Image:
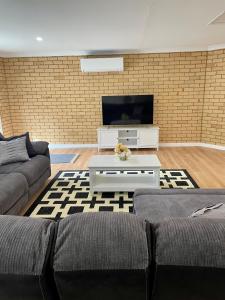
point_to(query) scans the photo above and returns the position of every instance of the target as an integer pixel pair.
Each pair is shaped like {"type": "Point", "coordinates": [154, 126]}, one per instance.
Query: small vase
{"type": "Point", "coordinates": [124, 157]}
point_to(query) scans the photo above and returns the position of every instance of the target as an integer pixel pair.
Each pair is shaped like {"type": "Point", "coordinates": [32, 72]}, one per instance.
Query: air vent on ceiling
{"type": "Point", "coordinates": [220, 19]}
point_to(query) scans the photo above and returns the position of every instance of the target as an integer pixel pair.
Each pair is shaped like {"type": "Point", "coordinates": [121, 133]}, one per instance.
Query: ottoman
{"type": "Point", "coordinates": [157, 205]}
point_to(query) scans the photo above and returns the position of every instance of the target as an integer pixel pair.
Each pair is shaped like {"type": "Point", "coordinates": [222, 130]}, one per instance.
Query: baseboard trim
{"type": "Point", "coordinates": [204, 145]}
{"type": "Point", "coordinates": [196, 144]}
{"type": "Point", "coordinates": [72, 146]}
{"type": "Point", "coordinates": [213, 146]}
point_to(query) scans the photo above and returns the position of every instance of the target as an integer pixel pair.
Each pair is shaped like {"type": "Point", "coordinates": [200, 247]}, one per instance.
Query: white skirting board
{"type": "Point", "coordinates": [72, 146]}
{"type": "Point", "coordinates": [76, 146]}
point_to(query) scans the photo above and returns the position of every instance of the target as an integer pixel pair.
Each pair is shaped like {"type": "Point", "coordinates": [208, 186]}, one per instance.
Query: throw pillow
{"type": "Point", "coordinates": [30, 149]}
{"type": "Point", "coordinates": [13, 151]}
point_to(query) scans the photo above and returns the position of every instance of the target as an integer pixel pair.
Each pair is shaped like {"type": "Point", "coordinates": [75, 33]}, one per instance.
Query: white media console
{"type": "Point", "coordinates": [133, 137]}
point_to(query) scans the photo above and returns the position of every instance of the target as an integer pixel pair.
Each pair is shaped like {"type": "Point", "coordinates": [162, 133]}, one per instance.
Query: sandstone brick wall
{"type": "Point", "coordinates": [55, 101]}
{"type": "Point", "coordinates": [4, 104]}
{"type": "Point", "coordinates": [213, 123]}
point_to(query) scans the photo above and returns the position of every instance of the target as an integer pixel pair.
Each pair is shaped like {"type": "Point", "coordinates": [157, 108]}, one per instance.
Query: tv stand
{"type": "Point", "coordinates": [132, 136]}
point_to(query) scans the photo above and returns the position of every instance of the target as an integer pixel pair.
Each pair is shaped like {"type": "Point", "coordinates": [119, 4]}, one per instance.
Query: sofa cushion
{"type": "Point", "coordinates": [101, 241]}
{"type": "Point", "coordinates": [26, 241]}
{"type": "Point", "coordinates": [189, 259]}
{"type": "Point", "coordinates": [158, 205]}
{"type": "Point", "coordinates": [191, 242]}
{"type": "Point", "coordinates": [10, 168]}
{"type": "Point", "coordinates": [30, 150]}
{"type": "Point", "coordinates": [12, 188]}
{"type": "Point", "coordinates": [101, 255]}
{"type": "Point", "coordinates": [25, 245]}
{"type": "Point", "coordinates": [32, 169]}
{"type": "Point", "coordinates": [13, 151]}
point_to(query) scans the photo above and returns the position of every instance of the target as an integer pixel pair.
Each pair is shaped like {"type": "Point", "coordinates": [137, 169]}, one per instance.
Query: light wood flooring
{"type": "Point", "coordinates": [206, 166]}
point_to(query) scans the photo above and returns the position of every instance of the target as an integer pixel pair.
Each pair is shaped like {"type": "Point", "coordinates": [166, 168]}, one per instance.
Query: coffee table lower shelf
{"type": "Point", "coordinates": [122, 182]}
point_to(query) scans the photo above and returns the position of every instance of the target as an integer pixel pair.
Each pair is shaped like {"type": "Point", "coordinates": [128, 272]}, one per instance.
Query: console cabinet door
{"type": "Point", "coordinates": [108, 138]}
{"type": "Point", "coordinates": [148, 137]}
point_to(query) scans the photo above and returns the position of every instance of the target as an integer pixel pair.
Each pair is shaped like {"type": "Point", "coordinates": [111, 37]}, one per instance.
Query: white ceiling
{"type": "Point", "coordinates": [77, 27]}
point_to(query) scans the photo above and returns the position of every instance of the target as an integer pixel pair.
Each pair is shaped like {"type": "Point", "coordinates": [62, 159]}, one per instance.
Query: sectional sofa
{"type": "Point", "coordinates": [19, 181]}
{"type": "Point", "coordinates": [158, 253]}
{"type": "Point", "coordinates": [112, 256]}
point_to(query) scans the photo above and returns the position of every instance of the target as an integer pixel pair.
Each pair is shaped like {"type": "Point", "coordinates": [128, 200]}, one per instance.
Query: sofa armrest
{"type": "Point", "coordinates": [41, 147]}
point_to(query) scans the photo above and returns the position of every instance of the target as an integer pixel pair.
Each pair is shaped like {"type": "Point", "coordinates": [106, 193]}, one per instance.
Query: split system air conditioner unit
{"type": "Point", "coordinates": [112, 64]}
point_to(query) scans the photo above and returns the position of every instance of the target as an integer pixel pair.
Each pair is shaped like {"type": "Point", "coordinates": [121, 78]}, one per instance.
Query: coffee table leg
{"type": "Point", "coordinates": [157, 177]}
{"type": "Point", "coordinates": [91, 180]}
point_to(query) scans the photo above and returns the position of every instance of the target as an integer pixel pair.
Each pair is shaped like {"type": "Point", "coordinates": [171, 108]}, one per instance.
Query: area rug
{"type": "Point", "coordinates": [68, 193]}
{"type": "Point", "coordinates": [63, 158]}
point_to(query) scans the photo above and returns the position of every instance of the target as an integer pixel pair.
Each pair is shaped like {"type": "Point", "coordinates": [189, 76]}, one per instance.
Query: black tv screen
{"type": "Point", "coordinates": [127, 110]}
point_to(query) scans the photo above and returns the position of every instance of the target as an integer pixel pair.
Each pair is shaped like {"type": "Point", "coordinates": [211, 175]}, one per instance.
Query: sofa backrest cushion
{"type": "Point", "coordinates": [101, 255]}
{"type": "Point", "coordinates": [101, 241]}
{"type": "Point", "coordinates": [190, 259]}
{"type": "Point", "coordinates": [25, 245]}
{"type": "Point", "coordinates": [191, 242]}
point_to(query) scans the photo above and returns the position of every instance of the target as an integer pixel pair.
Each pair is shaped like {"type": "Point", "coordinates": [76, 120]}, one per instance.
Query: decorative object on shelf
{"type": "Point", "coordinates": [122, 151]}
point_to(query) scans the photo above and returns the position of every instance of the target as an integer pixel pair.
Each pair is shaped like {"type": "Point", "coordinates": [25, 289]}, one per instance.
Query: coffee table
{"type": "Point", "coordinates": [100, 181]}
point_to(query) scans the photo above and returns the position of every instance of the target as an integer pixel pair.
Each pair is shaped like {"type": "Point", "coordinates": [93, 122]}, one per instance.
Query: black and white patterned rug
{"type": "Point", "coordinates": [68, 193]}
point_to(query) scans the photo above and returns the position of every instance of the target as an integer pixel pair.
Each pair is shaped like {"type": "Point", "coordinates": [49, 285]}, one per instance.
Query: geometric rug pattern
{"type": "Point", "coordinates": [68, 193]}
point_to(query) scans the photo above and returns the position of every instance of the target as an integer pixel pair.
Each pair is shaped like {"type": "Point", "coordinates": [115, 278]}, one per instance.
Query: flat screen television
{"type": "Point", "coordinates": [127, 110]}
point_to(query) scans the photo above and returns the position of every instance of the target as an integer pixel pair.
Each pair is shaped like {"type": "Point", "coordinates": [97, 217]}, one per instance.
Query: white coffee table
{"type": "Point", "coordinates": [123, 182]}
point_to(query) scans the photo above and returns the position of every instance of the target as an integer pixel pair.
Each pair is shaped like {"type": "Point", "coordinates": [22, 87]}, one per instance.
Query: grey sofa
{"type": "Point", "coordinates": [189, 252]}
{"type": "Point", "coordinates": [111, 256]}
{"type": "Point", "coordinates": [157, 205]}
{"type": "Point", "coordinates": [19, 181]}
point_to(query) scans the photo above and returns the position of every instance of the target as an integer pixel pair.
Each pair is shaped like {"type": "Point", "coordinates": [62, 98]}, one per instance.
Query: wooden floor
{"type": "Point", "coordinates": [206, 166]}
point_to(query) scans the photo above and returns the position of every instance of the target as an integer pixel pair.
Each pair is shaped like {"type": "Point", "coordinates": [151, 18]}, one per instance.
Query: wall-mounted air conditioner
{"type": "Point", "coordinates": [112, 64]}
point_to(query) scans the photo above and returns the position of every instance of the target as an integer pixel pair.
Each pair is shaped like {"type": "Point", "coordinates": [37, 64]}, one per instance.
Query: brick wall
{"type": "Point", "coordinates": [53, 99]}
{"type": "Point", "coordinates": [213, 123]}
{"type": "Point", "coordinates": [4, 104]}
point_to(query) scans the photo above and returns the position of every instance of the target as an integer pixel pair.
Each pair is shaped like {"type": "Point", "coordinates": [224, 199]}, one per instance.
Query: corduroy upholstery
{"type": "Point", "coordinates": [23, 177]}
{"type": "Point", "coordinates": [189, 259]}
{"type": "Point", "coordinates": [103, 255]}
{"type": "Point", "coordinates": [25, 245]}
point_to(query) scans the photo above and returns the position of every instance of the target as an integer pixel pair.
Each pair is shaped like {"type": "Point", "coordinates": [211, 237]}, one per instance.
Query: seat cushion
{"type": "Point", "coordinates": [10, 168]}
{"type": "Point", "coordinates": [32, 169]}
{"type": "Point", "coordinates": [12, 188]}
{"type": "Point", "coordinates": [159, 205]}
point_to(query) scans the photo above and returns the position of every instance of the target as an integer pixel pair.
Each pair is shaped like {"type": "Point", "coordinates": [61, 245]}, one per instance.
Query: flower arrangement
{"type": "Point", "coordinates": [122, 151]}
